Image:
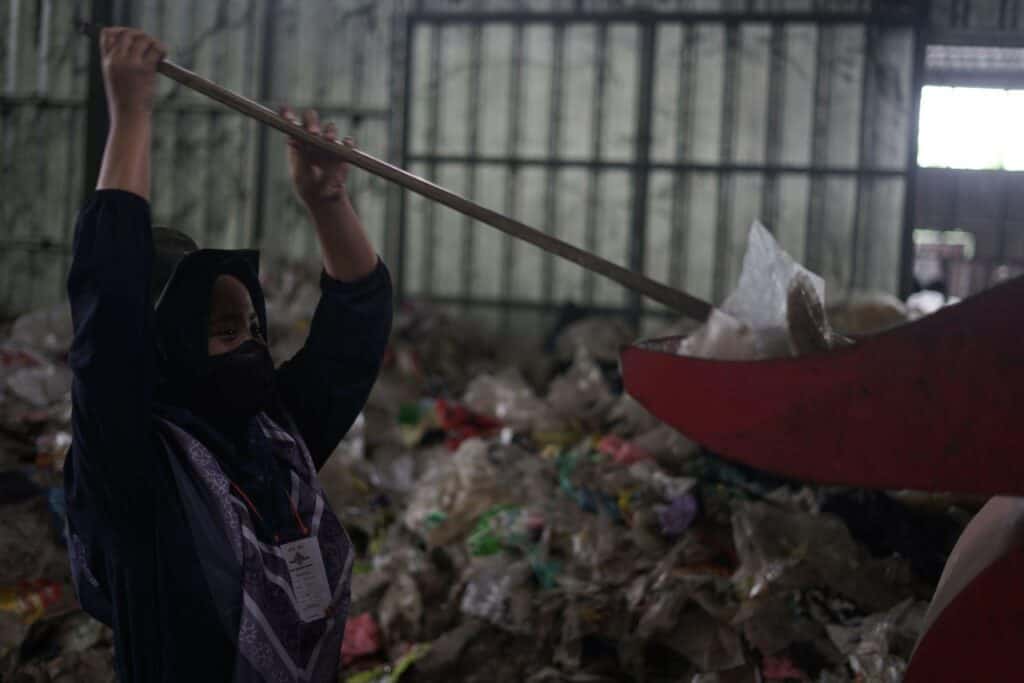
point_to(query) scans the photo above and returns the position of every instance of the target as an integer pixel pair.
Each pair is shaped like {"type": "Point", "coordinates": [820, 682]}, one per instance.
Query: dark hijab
{"type": "Point", "coordinates": [183, 310]}
{"type": "Point", "coordinates": [189, 376]}
{"type": "Point", "coordinates": [209, 386]}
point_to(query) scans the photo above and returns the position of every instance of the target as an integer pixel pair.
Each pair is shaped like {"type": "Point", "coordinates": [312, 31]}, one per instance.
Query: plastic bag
{"type": "Point", "coordinates": [48, 329]}
{"type": "Point", "coordinates": [362, 637]}
{"type": "Point", "coordinates": [792, 549]}
{"type": "Point", "coordinates": [494, 593]}
{"type": "Point", "coordinates": [879, 646]}
{"type": "Point", "coordinates": [708, 644]}
{"type": "Point", "coordinates": [446, 651]}
{"type": "Point", "coordinates": [401, 608]}
{"type": "Point", "coordinates": [773, 622]}
{"type": "Point", "coordinates": [602, 338]}
{"type": "Point", "coordinates": [41, 386]}
{"type": "Point", "coordinates": [581, 392]}
{"type": "Point", "coordinates": [628, 418]}
{"type": "Point", "coordinates": [13, 359]}
{"type": "Point", "coordinates": [451, 496]}
{"type": "Point", "coordinates": [664, 485]}
{"type": "Point", "coordinates": [776, 310]}
{"type": "Point", "coordinates": [504, 527]}
{"type": "Point", "coordinates": [506, 397]}
{"type": "Point", "coordinates": [667, 445]}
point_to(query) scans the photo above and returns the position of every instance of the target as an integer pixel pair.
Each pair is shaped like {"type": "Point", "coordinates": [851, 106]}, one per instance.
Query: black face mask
{"type": "Point", "coordinates": [237, 384]}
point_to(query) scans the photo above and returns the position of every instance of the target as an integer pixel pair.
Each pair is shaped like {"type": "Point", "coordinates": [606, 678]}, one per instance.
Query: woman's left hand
{"type": "Point", "coordinates": [318, 176]}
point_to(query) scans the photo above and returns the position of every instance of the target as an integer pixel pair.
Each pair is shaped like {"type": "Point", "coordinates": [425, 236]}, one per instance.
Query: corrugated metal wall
{"type": "Point", "coordinates": [655, 139]}
{"type": "Point", "coordinates": [43, 70]}
{"type": "Point", "coordinates": [217, 176]}
{"type": "Point", "coordinates": [558, 122]}
{"type": "Point", "coordinates": [977, 22]}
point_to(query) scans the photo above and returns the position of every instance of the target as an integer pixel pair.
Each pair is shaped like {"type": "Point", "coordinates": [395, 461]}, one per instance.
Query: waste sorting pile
{"type": "Point", "coordinates": [518, 518]}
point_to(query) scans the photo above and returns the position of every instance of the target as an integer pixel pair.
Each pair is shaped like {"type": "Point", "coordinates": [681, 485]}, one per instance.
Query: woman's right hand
{"type": "Point", "coordinates": [130, 58]}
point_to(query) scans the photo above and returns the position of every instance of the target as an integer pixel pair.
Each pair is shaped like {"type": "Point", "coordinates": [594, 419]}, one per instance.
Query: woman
{"type": "Point", "coordinates": [198, 530]}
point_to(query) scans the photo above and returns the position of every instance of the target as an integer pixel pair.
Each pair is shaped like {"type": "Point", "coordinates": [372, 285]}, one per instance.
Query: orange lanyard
{"type": "Point", "coordinates": [249, 504]}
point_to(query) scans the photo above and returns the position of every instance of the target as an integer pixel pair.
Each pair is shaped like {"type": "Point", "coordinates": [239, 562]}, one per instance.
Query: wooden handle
{"type": "Point", "coordinates": [681, 302]}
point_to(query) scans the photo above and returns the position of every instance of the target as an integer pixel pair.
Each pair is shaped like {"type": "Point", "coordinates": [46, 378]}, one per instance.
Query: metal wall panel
{"type": "Point", "coordinates": [42, 116]}
{"type": "Point", "coordinates": [216, 175]}
{"type": "Point", "coordinates": [802, 121]}
{"type": "Point", "coordinates": [647, 134]}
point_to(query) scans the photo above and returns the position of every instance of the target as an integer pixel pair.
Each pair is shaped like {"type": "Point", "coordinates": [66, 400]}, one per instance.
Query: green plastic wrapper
{"type": "Point", "coordinates": [388, 673]}
{"type": "Point", "coordinates": [503, 526]}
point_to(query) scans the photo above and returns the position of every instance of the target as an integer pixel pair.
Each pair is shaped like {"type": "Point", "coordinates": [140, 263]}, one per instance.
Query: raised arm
{"type": "Point", "coordinates": [129, 72]}
{"type": "Point", "coordinates": [112, 354]}
{"type": "Point", "coordinates": [326, 384]}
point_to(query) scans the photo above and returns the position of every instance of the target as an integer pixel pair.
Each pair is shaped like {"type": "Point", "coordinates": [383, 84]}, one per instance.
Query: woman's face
{"type": "Point", "coordinates": [233, 320]}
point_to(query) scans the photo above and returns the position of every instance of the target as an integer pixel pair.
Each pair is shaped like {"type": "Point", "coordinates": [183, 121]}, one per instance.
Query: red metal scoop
{"type": "Point", "coordinates": [933, 405]}
{"type": "Point", "coordinates": [937, 404]}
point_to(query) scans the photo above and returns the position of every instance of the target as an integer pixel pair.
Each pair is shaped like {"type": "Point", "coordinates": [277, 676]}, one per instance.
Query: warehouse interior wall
{"type": "Point", "coordinates": [653, 133]}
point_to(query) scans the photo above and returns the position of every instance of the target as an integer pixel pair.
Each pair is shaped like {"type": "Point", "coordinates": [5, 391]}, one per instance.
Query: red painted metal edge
{"type": "Point", "coordinates": [980, 635]}
{"type": "Point", "coordinates": [935, 405]}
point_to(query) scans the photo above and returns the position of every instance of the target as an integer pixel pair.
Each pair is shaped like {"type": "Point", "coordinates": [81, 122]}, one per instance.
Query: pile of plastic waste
{"type": "Point", "coordinates": [518, 518]}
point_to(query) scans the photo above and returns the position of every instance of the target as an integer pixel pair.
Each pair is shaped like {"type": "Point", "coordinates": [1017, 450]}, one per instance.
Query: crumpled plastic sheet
{"type": "Point", "coordinates": [450, 498]}
{"type": "Point", "coordinates": [779, 548]}
{"type": "Point", "coordinates": [879, 646]}
{"type": "Point", "coordinates": [41, 386]}
{"type": "Point", "coordinates": [776, 310]}
{"type": "Point", "coordinates": [48, 330]}
{"type": "Point", "coordinates": [582, 392]}
{"type": "Point", "coordinates": [601, 338]}
{"type": "Point", "coordinates": [508, 398]}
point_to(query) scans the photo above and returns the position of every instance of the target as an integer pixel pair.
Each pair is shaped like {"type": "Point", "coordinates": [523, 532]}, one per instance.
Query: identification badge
{"type": "Point", "coordinates": [309, 580]}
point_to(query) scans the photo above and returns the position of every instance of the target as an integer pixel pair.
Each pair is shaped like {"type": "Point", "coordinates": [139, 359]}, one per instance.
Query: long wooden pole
{"type": "Point", "coordinates": [681, 302]}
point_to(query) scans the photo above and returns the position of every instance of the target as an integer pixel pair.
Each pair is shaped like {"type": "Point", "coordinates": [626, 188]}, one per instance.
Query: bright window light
{"type": "Point", "coordinates": [973, 128]}
{"type": "Point", "coordinates": [951, 238]}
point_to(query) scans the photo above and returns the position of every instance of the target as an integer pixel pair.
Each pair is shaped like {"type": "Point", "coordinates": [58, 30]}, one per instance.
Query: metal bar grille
{"type": "Point", "coordinates": [433, 116]}
{"type": "Point", "coordinates": [725, 150]}
{"type": "Point", "coordinates": [773, 138]}
{"type": "Point", "coordinates": [895, 18]}
{"type": "Point", "coordinates": [580, 183]}
{"type": "Point", "coordinates": [682, 166]}
{"type": "Point", "coordinates": [775, 170]}
{"type": "Point", "coordinates": [514, 135]}
{"type": "Point", "coordinates": [596, 152]}
{"type": "Point", "coordinates": [553, 144]}
{"type": "Point", "coordinates": [472, 143]}
{"type": "Point", "coordinates": [642, 155]}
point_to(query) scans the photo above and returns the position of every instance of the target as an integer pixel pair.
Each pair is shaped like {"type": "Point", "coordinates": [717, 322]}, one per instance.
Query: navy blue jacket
{"type": "Point", "coordinates": [124, 509]}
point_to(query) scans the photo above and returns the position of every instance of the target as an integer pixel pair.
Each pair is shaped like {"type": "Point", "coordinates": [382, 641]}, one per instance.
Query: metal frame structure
{"type": "Point", "coordinates": [909, 15]}
{"type": "Point", "coordinates": [639, 170]}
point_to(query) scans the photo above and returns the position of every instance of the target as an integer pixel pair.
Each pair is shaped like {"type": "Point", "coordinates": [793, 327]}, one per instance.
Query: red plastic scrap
{"type": "Point", "coordinates": [622, 451]}
{"type": "Point", "coordinates": [30, 599]}
{"type": "Point", "coordinates": [781, 669]}
{"type": "Point", "coordinates": [362, 638]}
{"type": "Point", "coordinates": [460, 423]}
{"type": "Point", "coordinates": [13, 359]}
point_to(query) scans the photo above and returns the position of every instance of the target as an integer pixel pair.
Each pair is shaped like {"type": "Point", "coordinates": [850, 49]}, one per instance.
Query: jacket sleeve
{"type": "Point", "coordinates": [326, 384]}
{"type": "Point", "coordinates": [112, 355]}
